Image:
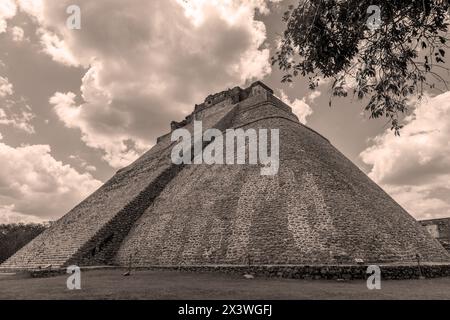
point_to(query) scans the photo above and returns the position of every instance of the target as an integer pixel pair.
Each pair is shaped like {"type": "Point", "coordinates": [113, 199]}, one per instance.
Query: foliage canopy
{"type": "Point", "coordinates": [388, 65]}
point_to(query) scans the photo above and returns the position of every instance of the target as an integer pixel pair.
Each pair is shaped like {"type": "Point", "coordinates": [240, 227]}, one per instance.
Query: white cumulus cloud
{"type": "Point", "coordinates": [148, 63]}
{"type": "Point", "coordinates": [6, 88]}
{"type": "Point", "coordinates": [19, 120]}
{"type": "Point", "coordinates": [17, 34]}
{"type": "Point", "coordinates": [414, 168]}
{"type": "Point", "coordinates": [9, 215]}
{"type": "Point", "coordinates": [34, 186]}
{"type": "Point", "coordinates": [8, 10]}
{"type": "Point", "coordinates": [299, 107]}
{"type": "Point", "coordinates": [14, 113]}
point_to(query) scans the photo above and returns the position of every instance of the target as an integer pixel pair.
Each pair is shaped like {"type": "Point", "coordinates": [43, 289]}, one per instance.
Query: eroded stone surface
{"type": "Point", "coordinates": [319, 208]}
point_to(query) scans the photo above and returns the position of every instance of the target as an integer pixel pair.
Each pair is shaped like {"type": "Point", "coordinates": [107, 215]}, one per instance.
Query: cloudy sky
{"type": "Point", "coordinates": [77, 105]}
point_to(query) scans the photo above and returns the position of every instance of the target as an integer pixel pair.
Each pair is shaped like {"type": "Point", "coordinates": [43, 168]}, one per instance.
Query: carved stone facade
{"type": "Point", "coordinates": [439, 229]}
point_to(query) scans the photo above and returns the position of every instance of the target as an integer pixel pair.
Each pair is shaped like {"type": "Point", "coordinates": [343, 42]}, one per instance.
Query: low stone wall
{"type": "Point", "coordinates": [321, 272]}
{"type": "Point", "coordinates": [309, 272]}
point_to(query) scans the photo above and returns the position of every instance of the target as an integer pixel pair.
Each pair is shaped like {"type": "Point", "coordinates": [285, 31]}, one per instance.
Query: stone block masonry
{"type": "Point", "coordinates": [320, 209]}
{"type": "Point", "coordinates": [91, 232]}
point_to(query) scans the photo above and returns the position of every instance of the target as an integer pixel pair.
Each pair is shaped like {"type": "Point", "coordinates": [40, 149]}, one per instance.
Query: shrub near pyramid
{"type": "Point", "coordinates": [318, 209]}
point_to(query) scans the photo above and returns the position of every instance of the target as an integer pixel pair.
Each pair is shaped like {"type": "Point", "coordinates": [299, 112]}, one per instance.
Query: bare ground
{"type": "Point", "coordinates": [111, 284]}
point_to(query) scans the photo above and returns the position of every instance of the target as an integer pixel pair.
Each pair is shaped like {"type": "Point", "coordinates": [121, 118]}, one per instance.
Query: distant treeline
{"type": "Point", "coordinates": [15, 236]}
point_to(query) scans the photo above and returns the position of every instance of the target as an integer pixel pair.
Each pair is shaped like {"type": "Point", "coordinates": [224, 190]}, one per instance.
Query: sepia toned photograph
{"type": "Point", "coordinates": [224, 155]}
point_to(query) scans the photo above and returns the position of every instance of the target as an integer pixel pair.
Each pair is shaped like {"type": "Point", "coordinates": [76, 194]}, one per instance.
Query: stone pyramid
{"type": "Point", "coordinates": [319, 208]}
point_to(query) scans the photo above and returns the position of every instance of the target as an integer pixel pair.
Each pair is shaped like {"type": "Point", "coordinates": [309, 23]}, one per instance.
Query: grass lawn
{"type": "Point", "coordinates": [111, 284]}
